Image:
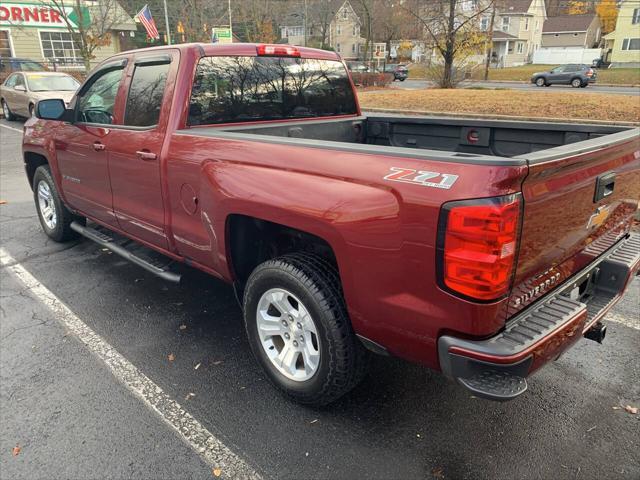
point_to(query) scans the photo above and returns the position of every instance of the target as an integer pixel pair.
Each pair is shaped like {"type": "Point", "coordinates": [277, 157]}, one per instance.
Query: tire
{"type": "Point", "coordinates": [576, 82]}
{"type": "Point", "coordinates": [54, 217]}
{"type": "Point", "coordinates": [402, 79]}
{"type": "Point", "coordinates": [303, 283]}
{"type": "Point", "coordinates": [8, 114]}
{"type": "Point", "coordinates": [541, 82]}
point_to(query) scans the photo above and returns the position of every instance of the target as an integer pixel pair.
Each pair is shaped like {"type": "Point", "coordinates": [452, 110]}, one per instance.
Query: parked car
{"type": "Point", "coordinates": [14, 64]}
{"type": "Point", "coordinates": [21, 91]}
{"type": "Point", "coordinates": [358, 67]}
{"type": "Point", "coordinates": [572, 74]}
{"type": "Point", "coordinates": [600, 63]}
{"type": "Point", "coordinates": [400, 72]}
{"type": "Point", "coordinates": [483, 249]}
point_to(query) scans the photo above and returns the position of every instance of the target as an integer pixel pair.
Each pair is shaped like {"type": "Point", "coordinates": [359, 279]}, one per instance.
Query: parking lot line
{"type": "Point", "coordinates": [212, 450]}
{"type": "Point", "coordinates": [11, 128]}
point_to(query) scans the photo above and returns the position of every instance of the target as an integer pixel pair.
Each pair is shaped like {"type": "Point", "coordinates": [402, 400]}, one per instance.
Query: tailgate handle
{"type": "Point", "coordinates": [604, 186]}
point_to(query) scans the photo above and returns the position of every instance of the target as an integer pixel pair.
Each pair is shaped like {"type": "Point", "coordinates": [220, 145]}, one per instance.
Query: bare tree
{"type": "Point", "coordinates": [452, 28]}
{"type": "Point", "coordinates": [90, 27]}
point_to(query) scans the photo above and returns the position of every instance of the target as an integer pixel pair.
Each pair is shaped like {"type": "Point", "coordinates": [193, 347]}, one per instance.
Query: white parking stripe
{"type": "Point", "coordinates": [10, 128]}
{"type": "Point", "coordinates": [213, 451]}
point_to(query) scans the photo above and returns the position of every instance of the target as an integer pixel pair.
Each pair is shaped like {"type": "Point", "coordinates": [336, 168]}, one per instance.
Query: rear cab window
{"type": "Point", "coordinates": [230, 89]}
{"type": "Point", "coordinates": [146, 92]}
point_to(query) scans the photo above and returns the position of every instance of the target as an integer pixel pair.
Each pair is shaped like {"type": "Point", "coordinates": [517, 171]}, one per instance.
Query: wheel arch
{"type": "Point", "coordinates": [32, 161]}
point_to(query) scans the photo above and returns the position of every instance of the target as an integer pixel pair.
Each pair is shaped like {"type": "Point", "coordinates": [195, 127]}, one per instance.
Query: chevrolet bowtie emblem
{"type": "Point", "coordinates": [599, 217]}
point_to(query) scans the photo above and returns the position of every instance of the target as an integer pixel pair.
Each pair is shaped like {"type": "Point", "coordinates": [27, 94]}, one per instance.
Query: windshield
{"type": "Point", "coordinates": [243, 89]}
{"type": "Point", "coordinates": [30, 66]}
{"type": "Point", "coordinates": [44, 83]}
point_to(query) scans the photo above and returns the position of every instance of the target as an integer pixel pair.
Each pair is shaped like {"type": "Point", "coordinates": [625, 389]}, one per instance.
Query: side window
{"type": "Point", "coordinates": [145, 95]}
{"type": "Point", "coordinates": [97, 102]}
{"type": "Point", "coordinates": [11, 81]}
{"type": "Point", "coordinates": [19, 81]}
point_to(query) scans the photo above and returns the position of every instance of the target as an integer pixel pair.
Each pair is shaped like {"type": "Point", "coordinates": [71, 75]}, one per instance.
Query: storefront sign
{"type": "Point", "coordinates": [221, 35]}
{"type": "Point", "coordinates": [34, 15]}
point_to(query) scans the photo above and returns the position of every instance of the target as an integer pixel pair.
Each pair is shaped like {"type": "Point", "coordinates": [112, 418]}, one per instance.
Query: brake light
{"type": "Point", "coordinates": [477, 245]}
{"type": "Point", "coordinates": [590, 73]}
{"type": "Point", "coordinates": [277, 51]}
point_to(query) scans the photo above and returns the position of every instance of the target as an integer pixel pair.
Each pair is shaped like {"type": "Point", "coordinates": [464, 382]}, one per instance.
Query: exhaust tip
{"type": "Point", "coordinates": [597, 332]}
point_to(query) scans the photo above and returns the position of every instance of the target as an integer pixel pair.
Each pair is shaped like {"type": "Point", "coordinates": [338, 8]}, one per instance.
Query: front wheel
{"type": "Point", "coordinates": [299, 330]}
{"type": "Point", "coordinates": [540, 82]}
{"type": "Point", "coordinates": [8, 114]}
{"type": "Point", "coordinates": [54, 217]}
{"type": "Point", "coordinates": [576, 83]}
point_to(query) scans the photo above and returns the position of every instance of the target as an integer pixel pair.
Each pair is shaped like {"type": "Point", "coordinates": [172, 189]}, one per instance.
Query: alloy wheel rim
{"type": "Point", "coordinates": [47, 206]}
{"type": "Point", "coordinates": [5, 109]}
{"type": "Point", "coordinates": [288, 334]}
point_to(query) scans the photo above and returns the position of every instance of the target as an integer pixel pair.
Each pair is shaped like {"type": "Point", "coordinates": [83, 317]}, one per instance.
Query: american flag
{"type": "Point", "coordinates": [146, 19]}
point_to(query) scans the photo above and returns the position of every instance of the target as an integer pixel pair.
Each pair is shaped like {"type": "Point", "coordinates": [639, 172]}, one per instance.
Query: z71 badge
{"type": "Point", "coordinates": [421, 177]}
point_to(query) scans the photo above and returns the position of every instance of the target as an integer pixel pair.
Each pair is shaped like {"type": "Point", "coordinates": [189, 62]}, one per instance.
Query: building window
{"type": "Point", "coordinates": [5, 44]}
{"type": "Point", "coordinates": [526, 23]}
{"type": "Point", "coordinates": [631, 44]}
{"type": "Point", "coordinates": [636, 16]}
{"type": "Point", "coordinates": [353, 48]}
{"type": "Point", "coordinates": [59, 46]}
{"type": "Point", "coordinates": [484, 24]}
{"type": "Point", "coordinates": [345, 13]}
{"type": "Point", "coordinates": [338, 30]}
{"type": "Point", "coordinates": [520, 47]}
{"type": "Point", "coordinates": [356, 31]}
{"type": "Point", "coordinates": [505, 24]}
{"type": "Point", "coordinates": [338, 47]}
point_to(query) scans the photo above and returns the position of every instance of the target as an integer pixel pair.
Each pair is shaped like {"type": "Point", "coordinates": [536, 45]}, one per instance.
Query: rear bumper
{"type": "Point", "coordinates": [497, 367]}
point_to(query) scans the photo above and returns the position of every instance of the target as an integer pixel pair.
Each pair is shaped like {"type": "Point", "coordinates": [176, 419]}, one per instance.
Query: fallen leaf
{"type": "Point", "coordinates": [171, 357]}
{"type": "Point", "coordinates": [617, 408]}
{"type": "Point", "coordinates": [137, 280]}
{"type": "Point", "coordinates": [16, 450]}
{"type": "Point", "coordinates": [218, 362]}
{"type": "Point", "coordinates": [418, 435]}
{"type": "Point", "coordinates": [217, 472]}
{"type": "Point", "coordinates": [631, 410]}
{"type": "Point", "coordinates": [591, 429]}
{"type": "Point", "coordinates": [437, 472]}
{"type": "Point", "coordinates": [197, 366]}
{"type": "Point", "coordinates": [182, 327]}
{"type": "Point", "coordinates": [189, 396]}
{"type": "Point", "coordinates": [313, 421]}
{"type": "Point", "coordinates": [2, 202]}
{"type": "Point", "coordinates": [306, 454]}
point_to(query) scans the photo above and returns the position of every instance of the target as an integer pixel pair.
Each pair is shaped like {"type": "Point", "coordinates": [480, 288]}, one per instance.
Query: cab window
{"type": "Point", "coordinates": [97, 103]}
{"type": "Point", "coordinates": [145, 95]}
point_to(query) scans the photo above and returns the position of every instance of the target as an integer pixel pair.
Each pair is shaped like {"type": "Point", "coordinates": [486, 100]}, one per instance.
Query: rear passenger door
{"type": "Point", "coordinates": [135, 147]}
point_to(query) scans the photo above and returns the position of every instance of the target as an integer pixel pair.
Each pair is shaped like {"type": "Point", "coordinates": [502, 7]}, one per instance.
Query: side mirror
{"type": "Point", "coordinates": [20, 88]}
{"type": "Point", "coordinates": [51, 109]}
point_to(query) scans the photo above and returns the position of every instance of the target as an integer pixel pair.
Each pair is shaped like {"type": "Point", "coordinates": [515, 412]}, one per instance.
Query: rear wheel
{"type": "Point", "coordinates": [31, 109]}
{"type": "Point", "coordinates": [576, 83]}
{"type": "Point", "coordinates": [299, 330]}
{"type": "Point", "coordinates": [7, 112]}
{"type": "Point", "coordinates": [54, 217]}
{"type": "Point", "coordinates": [540, 82]}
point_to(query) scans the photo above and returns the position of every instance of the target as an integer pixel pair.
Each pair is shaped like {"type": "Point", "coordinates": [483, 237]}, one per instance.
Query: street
{"type": "Point", "coordinates": [411, 84]}
{"type": "Point", "coordinates": [71, 405]}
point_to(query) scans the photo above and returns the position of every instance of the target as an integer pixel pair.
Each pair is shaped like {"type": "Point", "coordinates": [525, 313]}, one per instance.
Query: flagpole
{"type": "Point", "coordinates": [166, 22]}
{"type": "Point", "coordinates": [230, 24]}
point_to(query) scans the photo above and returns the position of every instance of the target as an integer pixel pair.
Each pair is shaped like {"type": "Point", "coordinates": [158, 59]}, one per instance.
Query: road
{"type": "Point", "coordinates": [72, 412]}
{"type": "Point", "coordinates": [419, 84]}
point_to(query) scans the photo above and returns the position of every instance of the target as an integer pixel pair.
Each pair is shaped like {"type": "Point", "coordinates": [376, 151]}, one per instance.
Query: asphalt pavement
{"type": "Point", "coordinates": [413, 84]}
{"type": "Point", "coordinates": [72, 417]}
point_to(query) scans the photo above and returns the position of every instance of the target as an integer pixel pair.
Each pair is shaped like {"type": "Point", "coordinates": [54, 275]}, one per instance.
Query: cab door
{"type": "Point", "coordinates": [81, 145]}
{"type": "Point", "coordinates": [135, 147]}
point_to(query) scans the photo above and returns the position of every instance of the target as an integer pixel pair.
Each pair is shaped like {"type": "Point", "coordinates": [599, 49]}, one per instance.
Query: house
{"type": "Point", "coordinates": [571, 31]}
{"type": "Point", "coordinates": [624, 41]}
{"type": "Point", "coordinates": [330, 23]}
{"type": "Point", "coordinates": [517, 31]}
{"type": "Point", "coordinates": [38, 31]}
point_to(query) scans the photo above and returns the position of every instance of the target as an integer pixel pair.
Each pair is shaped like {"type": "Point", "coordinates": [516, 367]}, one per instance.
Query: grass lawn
{"type": "Point", "coordinates": [610, 75]}
{"type": "Point", "coordinates": [590, 106]}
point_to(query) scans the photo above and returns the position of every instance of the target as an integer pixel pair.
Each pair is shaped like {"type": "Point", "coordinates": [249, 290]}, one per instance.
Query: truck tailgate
{"type": "Point", "coordinates": [579, 200]}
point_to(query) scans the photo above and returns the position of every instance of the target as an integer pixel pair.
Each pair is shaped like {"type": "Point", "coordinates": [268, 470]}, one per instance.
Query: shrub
{"type": "Point", "coordinates": [372, 79]}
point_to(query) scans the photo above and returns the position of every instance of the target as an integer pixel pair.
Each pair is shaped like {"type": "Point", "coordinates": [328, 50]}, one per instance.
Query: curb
{"type": "Point", "coordinates": [524, 82]}
{"type": "Point", "coordinates": [501, 117]}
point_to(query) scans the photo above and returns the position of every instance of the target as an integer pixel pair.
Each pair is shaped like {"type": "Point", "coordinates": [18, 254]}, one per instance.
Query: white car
{"type": "Point", "coordinates": [21, 90]}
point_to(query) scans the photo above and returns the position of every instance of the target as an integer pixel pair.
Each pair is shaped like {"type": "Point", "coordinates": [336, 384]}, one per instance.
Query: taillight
{"type": "Point", "coordinates": [590, 73]}
{"type": "Point", "coordinates": [277, 51]}
{"type": "Point", "coordinates": [477, 246]}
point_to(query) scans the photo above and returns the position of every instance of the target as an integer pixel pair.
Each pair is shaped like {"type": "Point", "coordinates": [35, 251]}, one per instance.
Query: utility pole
{"type": "Point", "coordinates": [305, 23]}
{"type": "Point", "coordinates": [230, 24]}
{"type": "Point", "coordinates": [489, 49]}
{"type": "Point", "coordinates": [166, 22]}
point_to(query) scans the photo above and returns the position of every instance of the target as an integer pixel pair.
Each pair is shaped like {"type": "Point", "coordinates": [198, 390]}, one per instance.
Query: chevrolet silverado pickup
{"type": "Point", "coordinates": [479, 248]}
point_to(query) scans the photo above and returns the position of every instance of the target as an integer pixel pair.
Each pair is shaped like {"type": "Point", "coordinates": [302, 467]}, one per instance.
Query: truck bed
{"type": "Point", "coordinates": [461, 139]}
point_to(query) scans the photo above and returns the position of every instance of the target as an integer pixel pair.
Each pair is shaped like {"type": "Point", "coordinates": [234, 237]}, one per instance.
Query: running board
{"type": "Point", "coordinates": [155, 266]}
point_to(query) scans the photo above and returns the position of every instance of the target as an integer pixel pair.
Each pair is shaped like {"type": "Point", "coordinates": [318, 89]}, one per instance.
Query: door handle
{"type": "Point", "coordinates": [146, 155]}
{"type": "Point", "coordinates": [604, 186]}
{"type": "Point", "coordinates": [98, 147]}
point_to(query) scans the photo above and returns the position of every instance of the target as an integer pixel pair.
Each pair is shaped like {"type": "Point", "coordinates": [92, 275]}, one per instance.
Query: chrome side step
{"type": "Point", "coordinates": [157, 267]}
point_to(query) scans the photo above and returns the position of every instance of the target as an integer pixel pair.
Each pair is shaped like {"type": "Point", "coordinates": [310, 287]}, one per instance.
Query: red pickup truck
{"type": "Point", "coordinates": [479, 248]}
